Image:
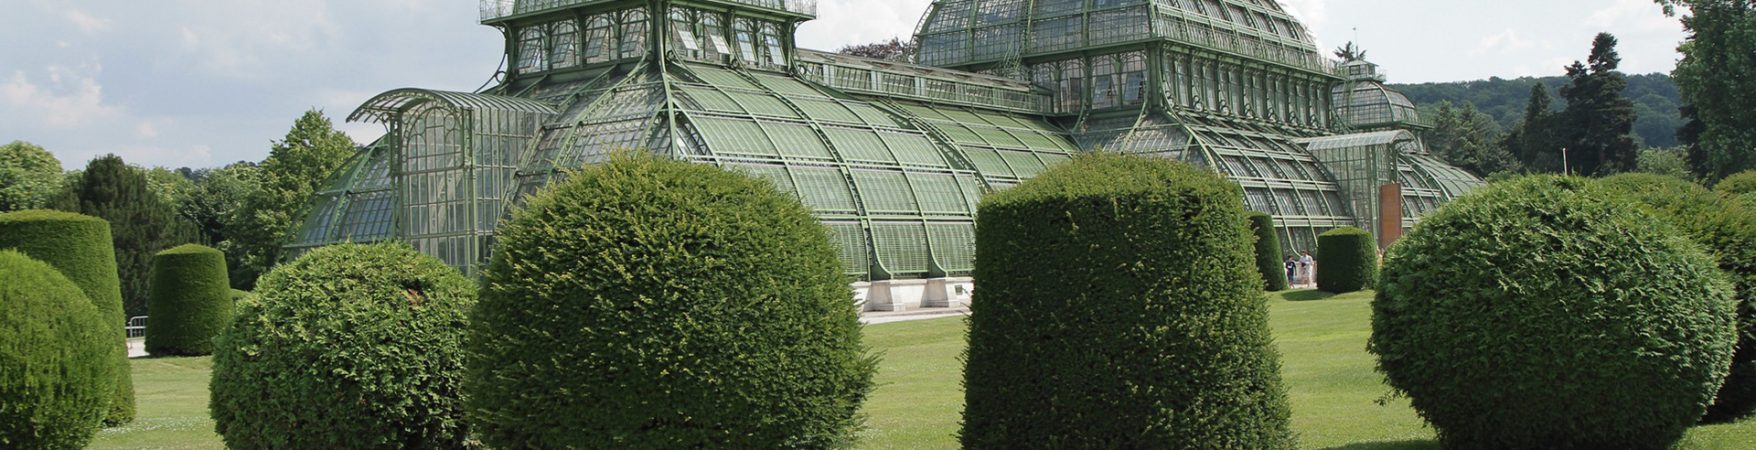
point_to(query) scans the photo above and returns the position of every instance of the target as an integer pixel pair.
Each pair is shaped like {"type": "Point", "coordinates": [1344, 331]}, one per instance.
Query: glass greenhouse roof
{"type": "Point", "coordinates": [892, 157]}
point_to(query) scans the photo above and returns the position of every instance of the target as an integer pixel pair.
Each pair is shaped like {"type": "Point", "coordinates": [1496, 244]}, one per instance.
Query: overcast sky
{"type": "Point", "coordinates": [208, 82]}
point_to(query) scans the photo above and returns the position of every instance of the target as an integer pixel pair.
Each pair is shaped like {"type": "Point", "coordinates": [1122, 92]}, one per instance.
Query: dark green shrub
{"type": "Point", "coordinates": [349, 347]}
{"type": "Point", "coordinates": [56, 361]}
{"type": "Point", "coordinates": [1347, 261]}
{"type": "Point", "coordinates": [1737, 184]}
{"type": "Point", "coordinates": [1269, 260]}
{"type": "Point", "coordinates": [652, 303]}
{"type": "Point", "coordinates": [1727, 228]}
{"type": "Point", "coordinates": [79, 247]}
{"type": "Point", "coordinates": [1119, 308]}
{"type": "Point", "coordinates": [1545, 313]}
{"type": "Point", "coordinates": [190, 301]}
{"type": "Point", "coordinates": [238, 296]}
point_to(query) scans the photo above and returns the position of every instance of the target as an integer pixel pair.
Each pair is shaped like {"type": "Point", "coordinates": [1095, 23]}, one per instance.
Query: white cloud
{"type": "Point", "coordinates": [147, 130]}
{"type": "Point", "coordinates": [247, 38]}
{"type": "Point", "coordinates": [848, 22]}
{"type": "Point", "coordinates": [87, 22]}
{"type": "Point", "coordinates": [1502, 43]}
{"type": "Point", "coordinates": [69, 99]}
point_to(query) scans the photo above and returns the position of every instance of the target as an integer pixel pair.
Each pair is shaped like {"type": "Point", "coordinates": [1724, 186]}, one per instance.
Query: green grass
{"type": "Point", "coordinates": [1335, 392]}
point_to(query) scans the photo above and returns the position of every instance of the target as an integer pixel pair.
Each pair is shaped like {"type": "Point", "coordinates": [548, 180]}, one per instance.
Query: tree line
{"type": "Point", "coordinates": [248, 209]}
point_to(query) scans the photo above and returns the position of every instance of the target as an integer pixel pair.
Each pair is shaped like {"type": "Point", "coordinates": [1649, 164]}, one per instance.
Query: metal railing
{"type": "Point", "coordinates": [136, 327]}
{"type": "Point", "coordinates": [496, 9]}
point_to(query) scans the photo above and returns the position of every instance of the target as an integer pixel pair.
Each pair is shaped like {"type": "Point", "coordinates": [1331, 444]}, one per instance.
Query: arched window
{"type": "Point", "coordinates": [683, 38]}
{"type": "Point", "coordinates": [531, 54]}
{"type": "Point", "coordinates": [634, 32]}
{"type": "Point", "coordinates": [747, 40]}
{"type": "Point", "coordinates": [597, 39]}
{"type": "Point", "coordinates": [565, 52]}
{"type": "Point", "coordinates": [714, 27]}
{"type": "Point", "coordinates": [777, 52]}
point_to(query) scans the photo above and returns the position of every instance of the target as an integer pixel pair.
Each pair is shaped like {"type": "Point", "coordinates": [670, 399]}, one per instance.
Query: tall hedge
{"type": "Point", "coordinates": [56, 367]}
{"type": "Point", "coordinates": [349, 347]}
{"type": "Point", "coordinates": [1727, 229]}
{"type": "Point", "coordinates": [190, 301]}
{"type": "Point", "coordinates": [652, 303]}
{"type": "Point", "coordinates": [1269, 261]}
{"type": "Point", "coordinates": [79, 247]}
{"type": "Point", "coordinates": [1120, 308]}
{"type": "Point", "coordinates": [1545, 313]}
{"type": "Point", "coordinates": [1347, 261]}
{"type": "Point", "coordinates": [1737, 184]}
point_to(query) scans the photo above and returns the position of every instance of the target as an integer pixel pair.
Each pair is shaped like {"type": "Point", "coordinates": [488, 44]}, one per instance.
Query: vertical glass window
{"type": "Point", "coordinates": [777, 52]}
{"type": "Point", "coordinates": [1072, 92]}
{"type": "Point", "coordinates": [1103, 82]}
{"type": "Point", "coordinates": [714, 27]}
{"type": "Point", "coordinates": [747, 40]}
{"type": "Point", "coordinates": [1133, 79]}
{"type": "Point", "coordinates": [683, 32]}
{"type": "Point", "coordinates": [597, 39]}
{"type": "Point", "coordinates": [531, 55]}
{"type": "Point", "coordinates": [633, 33]}
{"type": "Point", "coordinates": [565, 52]}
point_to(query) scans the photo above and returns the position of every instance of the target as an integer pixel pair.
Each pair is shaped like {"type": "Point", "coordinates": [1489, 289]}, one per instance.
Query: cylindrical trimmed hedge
{"type": "Point", "coordinates": [1120, 307]}
{"type": "Point", "coordinates": [1727, 228]}
{"type": "Point", "coordinates": [56, 361]}
{"type": "Point", "coordinates": [189, 301]}
{"type": "Point", "coordinates": [653, 303]}
{"type": "Point", "coordinates": [1347, 261]}
{"type": "Point", "coordinates": [348, 347]}
{"type": "Point", "coordinates": [80, 247]}
{"type": "Point", "coordinates": [1544, 312]}
{"type": "Point", "coordinates": [1268, 257]}
{"type": "Point", "coordinates": [1737, 184]}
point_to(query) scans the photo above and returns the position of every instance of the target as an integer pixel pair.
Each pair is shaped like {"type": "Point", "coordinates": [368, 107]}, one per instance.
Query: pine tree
{"type": "Point", "coordinates": [296, 166]}
{"type": "Point", "coordinates": [141, 224]}
{"type": "Point", "coordinates": [1536, 142]}
{"type": "Point", "coordinates": [1599, 117]}
{"type": "Point", "coordinates": [1468, 139]}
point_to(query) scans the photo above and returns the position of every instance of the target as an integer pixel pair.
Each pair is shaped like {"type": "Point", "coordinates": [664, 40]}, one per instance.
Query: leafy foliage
{"type": "Point", "coordinates": [1544, 313]}
{"type": "Point", "coordinates": [1119, 309]}
{"type": "Point", "coordinates": [141, 223]}
{"type": "Point", "coordinates": [1468, 139]}
{"type": "Point", "coordinates": [191, 301]}
{"type": "Point", "coordinates": [296, 166]}
{"type": "Point", "coordinates": [1268, 256]}
{"type": "Point", "coordinates": [1717, 76]}
{"type": "Point", "coordinates": [895, 50]}
{"type": "Point", "coordinates": [1347, 261]}
{"type": "Point", "coordinates": [1727, 229]}
{"type": "Point", "coordinates": [1656, 101]}
{"type": "Point", "coordinates": [80, 248]}
{"type": "Point", "coordinates": [349, 347]}
{"type": "Point", "coordinates": [29, 176]}
{"type": "Point", "coordinates": [1671, 162]}
{"type": "Point", "coordinates": [56, 366]}
{"type": "Point", "coordinates": [216, 206]}
{"type": "Point", "coordinates": [653, 303]}
{"type": "Point", "coordinates": [1737, 184]}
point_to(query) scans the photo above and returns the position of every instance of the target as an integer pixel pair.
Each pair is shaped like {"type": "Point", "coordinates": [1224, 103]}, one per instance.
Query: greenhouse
{"type": "Point", "coordinates": [893, 157]}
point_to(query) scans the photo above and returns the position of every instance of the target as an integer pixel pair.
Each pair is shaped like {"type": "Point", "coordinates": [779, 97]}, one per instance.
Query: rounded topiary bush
{"type": "Point", "coordinates": [56, 362]}
{"type": "Point", "coordinates": [189, 300]}
{"type": "Point", "coordinates": [348, 347]}
{"type": "Point", "coordinates": [653, 303]}
{"type": "Point", "coordinates": [1120, 308]}
{"type": "Point", "coordinates": [1347, 261]}
{"type": "Point", "coordinates": [79, 246]}
{"type": "Point", "coordinates": [1727, 229]}
{"type": "Point", "coordinates": [1545, 313]}
{"type": "Point", "coordinates": [1738, 184]}
{"type": "Point", "coordinates": [1268, 256]}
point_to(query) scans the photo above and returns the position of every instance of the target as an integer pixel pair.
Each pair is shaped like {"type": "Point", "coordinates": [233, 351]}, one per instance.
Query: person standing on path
{"type": "Point", "coordinates": [1292, 264]}
{"type": "Point", "coordinates": [1307, 268]}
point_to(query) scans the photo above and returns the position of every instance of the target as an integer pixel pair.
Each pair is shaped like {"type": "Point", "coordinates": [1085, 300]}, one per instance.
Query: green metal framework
{"type": "Point", "coordinates": [892, 157]}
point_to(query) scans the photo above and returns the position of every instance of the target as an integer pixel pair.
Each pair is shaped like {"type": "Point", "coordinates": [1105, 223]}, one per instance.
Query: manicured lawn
{"type": "Point", "coordinates": [1335, 392]}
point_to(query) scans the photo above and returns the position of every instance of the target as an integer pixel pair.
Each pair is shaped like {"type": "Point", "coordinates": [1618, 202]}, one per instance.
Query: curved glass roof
{"type": "Point", "coordinates": [957, 33]}
{"type": "Point", "coordinates": [1365, 103]}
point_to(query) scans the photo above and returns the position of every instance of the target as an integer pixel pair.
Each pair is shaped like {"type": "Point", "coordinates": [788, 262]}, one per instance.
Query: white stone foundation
{"type": "Point", "coordinates": [910, 295]}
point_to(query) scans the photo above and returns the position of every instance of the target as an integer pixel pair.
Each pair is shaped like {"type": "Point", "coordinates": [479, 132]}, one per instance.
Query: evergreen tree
{"type": "Point", "coordinates": [1717, 77]}
{"type": "Point", "coordinates": [1599, 119]}
{"type": "Point", "coordinates": [295, 168]}
{"type": "Point", "coordinates": [1468, 139]}
{"type": "Point", "coordinates": [29, 176]}
{"type": "Point", "coordinates": [141, 224]}
{"type": "Point", "coordinates": [1537, 141]}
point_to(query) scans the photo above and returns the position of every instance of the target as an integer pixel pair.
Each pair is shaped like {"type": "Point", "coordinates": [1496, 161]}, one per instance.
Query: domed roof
{"type": "Point", "coordinates": [1365, 103]}
{"type": "Point", "coordinates": [975, 32]}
